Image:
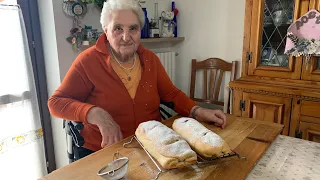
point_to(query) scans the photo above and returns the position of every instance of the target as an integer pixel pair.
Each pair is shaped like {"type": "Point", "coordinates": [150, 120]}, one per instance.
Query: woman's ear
{"type": "Point", "coordinates": [106, 32]}
{"type": "Point", "coordinates": [105, 29]}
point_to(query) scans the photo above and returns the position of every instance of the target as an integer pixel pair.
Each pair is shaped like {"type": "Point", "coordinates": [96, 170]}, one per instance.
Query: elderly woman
{"type": "Point", "coordinates": [117, 84]}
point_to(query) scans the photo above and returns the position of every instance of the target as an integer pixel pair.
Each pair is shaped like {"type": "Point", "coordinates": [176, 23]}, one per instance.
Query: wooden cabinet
{"type": "Point", "coordinates": [263, 107]}
{"type": "Point", "coordinates": [275, 87]}
{"type": "Point", "coordinates": [305, 121]}
{"type": "Point", "coordinates": [310, 131]}
{"type": "Point", "coordinates": [267, 108]}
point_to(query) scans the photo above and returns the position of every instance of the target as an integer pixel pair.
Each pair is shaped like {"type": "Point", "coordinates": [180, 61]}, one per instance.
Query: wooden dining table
{"type": "Point", "coordinates": [246, 137]}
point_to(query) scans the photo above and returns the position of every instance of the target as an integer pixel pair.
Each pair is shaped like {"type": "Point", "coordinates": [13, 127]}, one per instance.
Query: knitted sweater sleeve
{"type": "Point", "coordinates": [68, 101]}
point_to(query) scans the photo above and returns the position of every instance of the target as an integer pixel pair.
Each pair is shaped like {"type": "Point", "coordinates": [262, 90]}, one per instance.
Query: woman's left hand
{"type": "Point", "coordinates": [210, 115]}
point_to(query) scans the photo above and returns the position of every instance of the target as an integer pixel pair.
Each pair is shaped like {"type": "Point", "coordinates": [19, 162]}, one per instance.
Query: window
{"type": "Point", "coordinates": [21, 134]}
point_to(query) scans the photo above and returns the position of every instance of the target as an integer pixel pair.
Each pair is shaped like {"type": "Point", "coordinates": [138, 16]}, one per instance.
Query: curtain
{"type": "Point", "coordinates": [21, 139]}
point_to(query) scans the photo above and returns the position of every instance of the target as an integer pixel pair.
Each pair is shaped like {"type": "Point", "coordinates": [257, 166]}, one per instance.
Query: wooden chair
{"type": "Point", "coordinates": [216, 67]}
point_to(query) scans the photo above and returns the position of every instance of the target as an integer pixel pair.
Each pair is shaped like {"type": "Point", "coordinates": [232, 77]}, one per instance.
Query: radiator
{"type": "Point", "coordinates": [168, 62]}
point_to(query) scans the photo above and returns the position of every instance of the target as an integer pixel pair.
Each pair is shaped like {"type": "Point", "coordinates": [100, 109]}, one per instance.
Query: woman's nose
{"type": "Point", "coordinates": [126, 36]}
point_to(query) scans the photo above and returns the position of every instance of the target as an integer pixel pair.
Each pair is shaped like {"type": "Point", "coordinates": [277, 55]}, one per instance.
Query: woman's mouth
{"type": "Point", "coordinates": [126, 44]}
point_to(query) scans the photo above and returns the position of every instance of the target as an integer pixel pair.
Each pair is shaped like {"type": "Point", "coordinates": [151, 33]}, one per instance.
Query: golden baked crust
{"type": "Point", "coordinates": [165, 145]}
{"type": "Point", "coordinates": [202, 140]}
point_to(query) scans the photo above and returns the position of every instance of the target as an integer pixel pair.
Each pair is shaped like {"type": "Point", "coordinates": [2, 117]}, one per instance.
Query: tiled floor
{"type": "Point", "coordinates": [288, 158]}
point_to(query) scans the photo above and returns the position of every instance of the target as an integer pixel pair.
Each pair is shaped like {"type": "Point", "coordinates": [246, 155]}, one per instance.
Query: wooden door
{"type": "Point", "coordinates": [305, 119]}
{"type": "Point", "coordinates": [268, 108]}
{"type": "Point", "coordinates": [310, 131]}
{"type": "Point", "coordinates": [268, 30]}
{"type": "Point", "coordinates": [314, 4]}
{"type": "Point", "coordinates": [311, 71]}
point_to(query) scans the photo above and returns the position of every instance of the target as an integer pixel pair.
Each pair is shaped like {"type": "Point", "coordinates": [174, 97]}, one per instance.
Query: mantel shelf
{"type": "Point", "coordinates": [157, 40]}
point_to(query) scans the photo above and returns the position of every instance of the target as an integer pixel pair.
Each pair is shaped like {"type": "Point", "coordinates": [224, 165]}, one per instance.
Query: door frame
{"type": "Point", "coordinates": [32, 23]}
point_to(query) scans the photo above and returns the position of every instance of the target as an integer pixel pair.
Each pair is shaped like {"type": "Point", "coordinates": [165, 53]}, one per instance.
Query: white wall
{"type": "Point", "coordinates": [211, 29]}
{"type": "Point", "coordinates": [55, 27]}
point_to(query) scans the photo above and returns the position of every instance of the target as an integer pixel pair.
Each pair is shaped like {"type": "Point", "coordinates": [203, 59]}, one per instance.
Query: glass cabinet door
{"type": "Point", "coordinates": [270, 20]}
{"type": "Point", "coordinates": [277, 17]}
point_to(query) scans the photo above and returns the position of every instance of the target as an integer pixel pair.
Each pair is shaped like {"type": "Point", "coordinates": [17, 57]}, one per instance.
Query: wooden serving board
{"type": "Point", "coordinates": [247, 137]}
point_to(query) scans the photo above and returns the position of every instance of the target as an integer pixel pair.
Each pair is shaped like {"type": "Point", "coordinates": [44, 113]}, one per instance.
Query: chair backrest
{"type": "Point", "coordinates": [164, 109]}
{"type": "Point", "coordinates": [216, 68]}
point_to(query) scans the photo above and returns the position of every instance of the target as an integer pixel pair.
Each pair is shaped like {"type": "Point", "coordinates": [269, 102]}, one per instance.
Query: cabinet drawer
{"type": "Point", "coordinates": [310, 108]}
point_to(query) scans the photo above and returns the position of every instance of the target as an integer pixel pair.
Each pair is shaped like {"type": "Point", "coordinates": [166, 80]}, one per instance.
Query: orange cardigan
{"type": "Point", "coordinates": [91, 81]}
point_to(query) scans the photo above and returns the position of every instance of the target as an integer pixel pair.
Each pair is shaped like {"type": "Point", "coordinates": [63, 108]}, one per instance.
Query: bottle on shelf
{"type": "Point", "coordinates": [173, 8]}
{"type": "Point", "coordinates": [154, 24]}
{"type": "Point", "coordinates": [145, 28]}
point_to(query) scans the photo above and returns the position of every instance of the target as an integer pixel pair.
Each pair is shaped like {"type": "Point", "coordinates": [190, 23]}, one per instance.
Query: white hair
{"type": "Point", "coordinates": [112, 5]}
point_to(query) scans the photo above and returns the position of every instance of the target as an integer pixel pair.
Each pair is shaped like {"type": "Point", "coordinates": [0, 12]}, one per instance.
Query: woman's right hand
{"type": "Point", "coordinates": [109, 129]}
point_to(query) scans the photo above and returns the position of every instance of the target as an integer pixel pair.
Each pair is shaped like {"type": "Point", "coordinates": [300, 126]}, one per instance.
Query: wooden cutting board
{"type": "Point", "coordinates": [247, 137]}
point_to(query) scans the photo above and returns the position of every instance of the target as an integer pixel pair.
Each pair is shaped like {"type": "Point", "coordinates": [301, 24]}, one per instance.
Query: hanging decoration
{"type": "Point", "coordinates": [80, 35]}
{"type": "Point", "coordinates": [99, 3]}
{"type": "Point", "coordinates": [303, 36]}
{"type": "Point", "coordinates": [74, 8]}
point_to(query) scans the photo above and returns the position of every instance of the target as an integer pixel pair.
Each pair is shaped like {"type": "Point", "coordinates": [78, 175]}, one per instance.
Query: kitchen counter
{"type": "Point", "coordinates": [288, 158]}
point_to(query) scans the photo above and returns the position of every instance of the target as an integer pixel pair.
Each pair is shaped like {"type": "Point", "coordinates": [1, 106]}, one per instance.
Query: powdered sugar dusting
{"type": "Point", "coordinates": [199, 131]}
{"type": "Point", "coordinates": [166, 141]}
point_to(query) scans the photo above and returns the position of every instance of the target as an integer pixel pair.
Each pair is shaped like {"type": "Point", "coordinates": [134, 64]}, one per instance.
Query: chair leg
{"type": "Point", "coordinates": [70, 150]}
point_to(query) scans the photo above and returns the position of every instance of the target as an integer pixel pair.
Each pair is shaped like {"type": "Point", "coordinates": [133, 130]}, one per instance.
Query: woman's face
{"type": "Point", "coordinates": [123, 32]}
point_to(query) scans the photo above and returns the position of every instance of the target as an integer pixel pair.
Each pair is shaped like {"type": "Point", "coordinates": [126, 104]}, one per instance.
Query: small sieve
{"type": "Point", "coordinates": [117, 169]}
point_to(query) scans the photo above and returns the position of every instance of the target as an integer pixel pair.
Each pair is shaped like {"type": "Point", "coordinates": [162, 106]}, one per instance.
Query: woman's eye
{"type": "Point", "coordinates": [133, 28]}
{"type": "Point", "coordinates": [117, 28]}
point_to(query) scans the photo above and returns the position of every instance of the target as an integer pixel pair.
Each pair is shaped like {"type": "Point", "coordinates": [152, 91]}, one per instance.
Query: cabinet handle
{"type": "Point", "coordinates": [298, 102]}
{"type": "Point", "coordinates": [249, 57]}
{"type": "Point", "coordinates": [242, 105]}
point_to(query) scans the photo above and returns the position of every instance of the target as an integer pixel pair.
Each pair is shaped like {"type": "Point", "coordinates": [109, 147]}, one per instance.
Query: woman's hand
{"type": "Point", "coordinates": [109, 129]}
{"type": "Point", "coordinates": [210, 115]}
